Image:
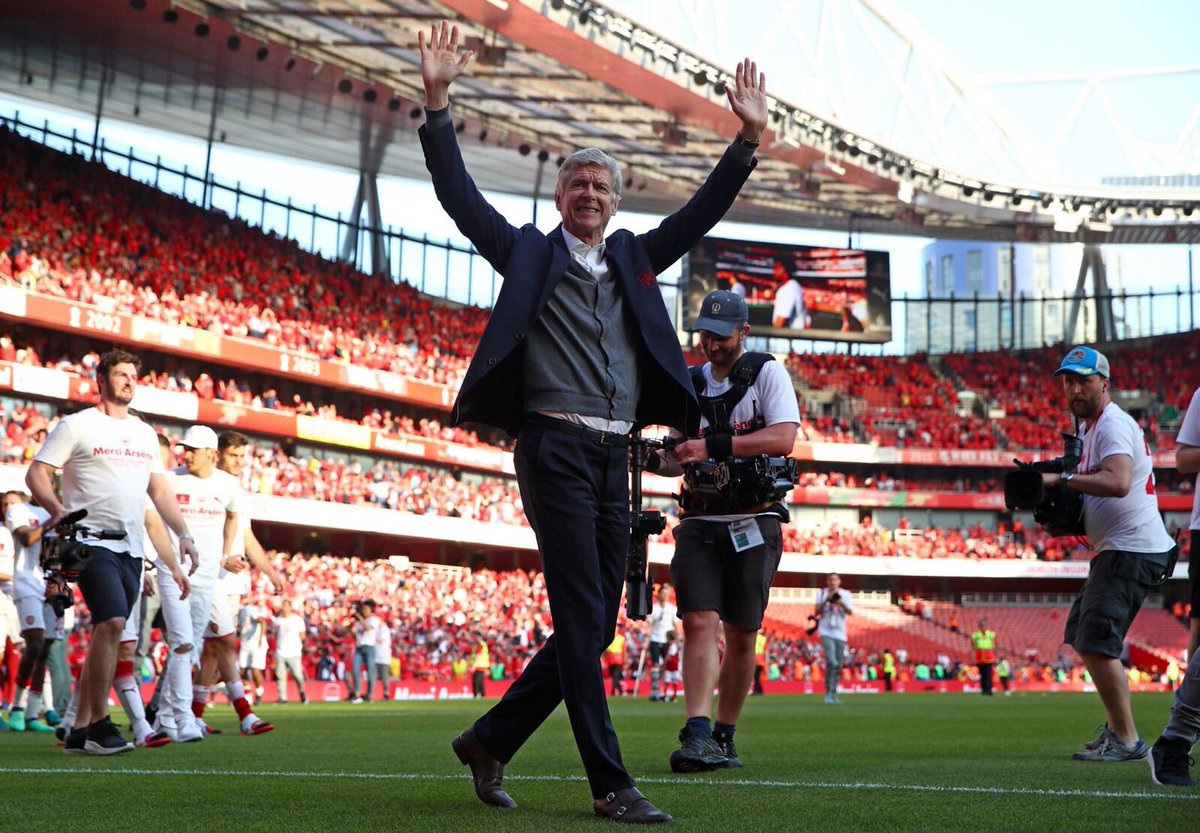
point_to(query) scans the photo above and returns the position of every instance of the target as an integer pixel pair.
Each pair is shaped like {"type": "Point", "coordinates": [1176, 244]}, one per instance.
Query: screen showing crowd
{"type": "Point", "coordinates": [798, 291]}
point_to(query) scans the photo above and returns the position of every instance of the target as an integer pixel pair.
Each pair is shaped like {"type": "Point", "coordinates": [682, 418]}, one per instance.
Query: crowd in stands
{"type": "Point", "coordinates": [127, 247]}
{"type": "Point", "coordinates": [438, 615]}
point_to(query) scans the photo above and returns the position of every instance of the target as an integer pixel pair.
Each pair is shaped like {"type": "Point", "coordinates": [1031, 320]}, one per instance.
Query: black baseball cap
{"type": "Point", "coordinates": [722, 312]}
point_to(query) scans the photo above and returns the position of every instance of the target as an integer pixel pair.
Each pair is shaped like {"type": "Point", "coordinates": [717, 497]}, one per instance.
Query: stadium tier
{"type": "Point", "coordinates": [345, 381]}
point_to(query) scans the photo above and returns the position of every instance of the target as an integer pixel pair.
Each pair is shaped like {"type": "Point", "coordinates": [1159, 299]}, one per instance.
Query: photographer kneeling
{"type": "Point", "coordinates": [729, 543]}
{"type": "Point", "coordinates": [110, 462]}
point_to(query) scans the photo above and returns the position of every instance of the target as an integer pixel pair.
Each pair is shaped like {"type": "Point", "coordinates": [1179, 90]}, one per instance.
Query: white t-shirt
{"type": "Point", "coordinates": [106, 466]}
{"type": "Point", "coordinates": [289, 635]}
{"type": "Point", "coordinates": [662, 619]}
{"type": "Point", "coordinates": [237, 584]}
{"type": "Point", "coordinates": [252, 630]}
{"type": "Point", "coordinates": [204, 502]}
{"type": "Point", "coordinates": [833, 618]}
{"type": "Point", "coordinates": [366, 630]}
{"type": "Point", "coordinates": [1189, 434]}
{"type": "Point", "coordinates": [8, 561]}
{"type": "Point", "coordinates": [1129, 523]}
{"type": "Point", "coordinates": [789, 304]}
{"type": "Point", "coordinates": [771, 395]}
{"type": "Point", "coordinates": [383, 645]}
{"type": "Point", "coordinates": [28, 580]}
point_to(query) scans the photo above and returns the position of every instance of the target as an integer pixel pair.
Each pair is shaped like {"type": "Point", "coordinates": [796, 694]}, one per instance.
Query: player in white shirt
{"type": "Point", "coordinates": [290, 630]}
{"type": "Point", "coordinates": [663, 618]}
{"type": "Point", "coordinates": [253, 621]}
{"type": "Point", "coordinates": [40, 625]}
{"type": "Point", "coordinates": [10, 622]}
{"type": "Point", "coordinates": [110, 462]}
{"type": "Point", "coordinates": [220, 655]}
{"type": "Point", "coordinates": [207, 499]}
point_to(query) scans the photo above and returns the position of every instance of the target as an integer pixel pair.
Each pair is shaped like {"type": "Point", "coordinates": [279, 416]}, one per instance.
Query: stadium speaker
{"type": "Point", "coordinates": [262, 53]}
{"type": "Point", "coordinates": [369, 95]}
{"type": "Point", "coordinates": [524, 149]}
{"type": "Point", "coordinates": [202, 29]}
{"type": "Point", "coordinates": [394, 105]}
{"type": "Point", "coordinates": [138, 5]}
{"type": "Point", "coordinates": [543, 155]}
{"type": "Point", "coordinates": [414, 113]}
{"type": "Point", "coordinates": [233, 43]}
{"type": "Point", "coordinates": [170, 16]}
{"type": "Point", "coordinates": [344, 86]}
{"type": "Point", "coordinates": [290, 65]}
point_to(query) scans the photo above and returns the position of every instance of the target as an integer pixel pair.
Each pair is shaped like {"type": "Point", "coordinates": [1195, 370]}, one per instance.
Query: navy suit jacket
{"type": "Point", "coordinates": [532, 263]}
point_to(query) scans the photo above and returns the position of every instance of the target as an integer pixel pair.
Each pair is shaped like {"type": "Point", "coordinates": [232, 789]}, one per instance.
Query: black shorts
{"type": "Point", "coordinates": [1111, 597]}
{"type": "Point", "coordinates": [109, 583]}
{"type": "Point", "coordinates": [658, 652]}
{"type": "Point", "coordinates": [709, 574]}
{"type": "Point", "coordinates": [1194, 570]}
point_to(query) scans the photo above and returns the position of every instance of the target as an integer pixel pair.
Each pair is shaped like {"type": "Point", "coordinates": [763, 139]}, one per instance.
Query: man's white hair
{"type": "Point", "coordinates": [592, 158]}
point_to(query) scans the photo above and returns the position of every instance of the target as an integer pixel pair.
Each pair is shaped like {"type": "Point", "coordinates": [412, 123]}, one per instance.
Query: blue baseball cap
{"type": "Point", "coordinates": [1083, 361]}
{"type": "Point", "coordinates": [722, 312]}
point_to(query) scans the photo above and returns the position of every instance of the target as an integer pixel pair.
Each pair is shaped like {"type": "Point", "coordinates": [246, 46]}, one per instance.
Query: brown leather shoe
{"type": "Point", "coordinates": [629, 806]}
{"type": "Point", "coordinates": [486, 770]}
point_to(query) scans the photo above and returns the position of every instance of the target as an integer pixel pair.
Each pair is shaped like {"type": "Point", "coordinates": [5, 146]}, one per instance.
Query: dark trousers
{"type": "Point", "coordinates": [576, 497]}
{"type": "Point", "coordinates": [985, 677]}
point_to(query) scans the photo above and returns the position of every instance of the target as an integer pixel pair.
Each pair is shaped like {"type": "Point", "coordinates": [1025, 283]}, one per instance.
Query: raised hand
{"type": "Point", "coordinates": [441, 64]}
{"type": "Point", "coordinates": [748, 99]}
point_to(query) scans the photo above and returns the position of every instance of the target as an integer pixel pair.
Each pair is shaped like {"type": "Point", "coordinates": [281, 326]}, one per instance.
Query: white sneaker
{"type": "Point", "coordinates": [188, 732]}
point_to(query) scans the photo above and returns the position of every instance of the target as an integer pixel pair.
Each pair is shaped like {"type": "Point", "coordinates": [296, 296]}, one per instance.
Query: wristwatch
{"type": "Point", "coordinates": [188, 536]}
{"type": "Point", "coordinates": [1066, 476]}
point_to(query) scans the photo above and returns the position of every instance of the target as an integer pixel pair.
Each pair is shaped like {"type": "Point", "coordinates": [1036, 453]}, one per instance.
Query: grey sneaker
{"type": "Point", "coordinates": [1102, 736]}
{"type": "Point", "coordinates": [697, 753]}
{"type": "Point", "coordinates": [1169, 762]}
{"type": "Point", "coordinates": [1112, 749]}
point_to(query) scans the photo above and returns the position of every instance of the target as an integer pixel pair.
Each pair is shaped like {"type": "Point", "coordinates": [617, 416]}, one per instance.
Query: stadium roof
{"type": "Point", "coordinates": [338, 82]}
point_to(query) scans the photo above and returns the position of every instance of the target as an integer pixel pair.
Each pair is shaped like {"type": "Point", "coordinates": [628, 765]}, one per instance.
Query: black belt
{"type": "Point", "coordinates": [575, 429]}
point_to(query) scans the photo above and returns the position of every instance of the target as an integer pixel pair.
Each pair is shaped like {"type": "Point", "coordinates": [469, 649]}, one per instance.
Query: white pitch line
{"type": "Point", "coordinates": [674, 782]}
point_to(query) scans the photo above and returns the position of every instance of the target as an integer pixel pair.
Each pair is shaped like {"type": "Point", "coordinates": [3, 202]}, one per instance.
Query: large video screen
{"type": "Point", "coordinates": [797, 291]}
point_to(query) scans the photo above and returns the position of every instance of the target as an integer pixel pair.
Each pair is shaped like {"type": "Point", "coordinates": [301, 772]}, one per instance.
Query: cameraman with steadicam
{"type": "Point", "coordinates": [110, 462]}
{"type": "Point", "coordinates": [1133, 550]}
{"type": "Point", "coordinates": [834, 604]}
{"type": "Point", "coordinates": [729, 544]}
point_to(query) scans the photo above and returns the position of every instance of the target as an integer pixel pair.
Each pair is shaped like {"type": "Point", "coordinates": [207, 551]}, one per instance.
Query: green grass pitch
{"type": "Point", "coordinates": [879, 763]}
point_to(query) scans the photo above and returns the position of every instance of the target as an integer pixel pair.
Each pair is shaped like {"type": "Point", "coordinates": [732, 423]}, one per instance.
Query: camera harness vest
{"type": "Point", "coordinates": [716, 409]}
{"type": "Point", "coordinates": [760, 481]}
